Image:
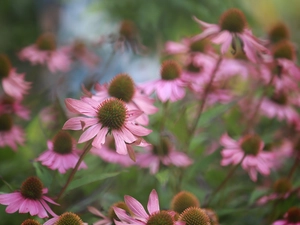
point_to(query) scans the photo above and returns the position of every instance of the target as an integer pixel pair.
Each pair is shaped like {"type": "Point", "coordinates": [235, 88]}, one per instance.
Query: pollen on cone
{"type": "Point", "coordinates": [184, 200]}
{"type": "Point", "coordinates": [122, 87]}
{"type": "Point", "coordinates": [69, 218]}
{"type": "Point", "coordinates": [194, 216]}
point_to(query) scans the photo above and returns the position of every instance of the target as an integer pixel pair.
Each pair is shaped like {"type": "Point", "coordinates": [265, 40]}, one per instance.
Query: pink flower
{"type": "Point", "coordinates": [292, 217]}
{"type": "Point", "coordinates": [140, 216]}
{"type": "Point", "coordinates": [30, 199]}
{"type": "Point", "coordinates": [232, 25]}
{"type": "Point", "coordinates": [164, 154]}
{"type": "Point", "coordinates": [171, 87]}
{"type": "Point", "coordinates": [61, 153]}
{"type": "Point", "coordinates": [250, 150]}
{"type": "Point", "coordinates": [108, 153]}
{"type": "Point", "coordinates": [122, 87]}
{"type": "Point", "coordinates": [65, 218]}
{"type": "Point", "coordinates": [10, 105]}
{"type": "Point", "coordinates": [13, 83]}
{"type": "Point", "coordinates": [45, 51]}
{"type": "Point", "coordinates": [108, 117]}
{"type": "Point", "coordinates": [104, 221]}
{"type": "Point", "coordinates": [10, 134]}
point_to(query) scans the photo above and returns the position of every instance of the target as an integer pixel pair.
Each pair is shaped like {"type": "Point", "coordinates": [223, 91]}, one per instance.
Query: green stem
{"type": "Point", "coordinates": [229, 175]}
{"type": "Point", "coordinates": [87, 147]}
{"type": "Point", "coordinates": [203, 100]}
{"type": "Point", "coordinates": [7, 184]}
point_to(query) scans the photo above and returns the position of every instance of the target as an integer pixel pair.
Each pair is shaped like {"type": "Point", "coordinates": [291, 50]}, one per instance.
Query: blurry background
{"type": "Point", "coordinates": [157, 21]}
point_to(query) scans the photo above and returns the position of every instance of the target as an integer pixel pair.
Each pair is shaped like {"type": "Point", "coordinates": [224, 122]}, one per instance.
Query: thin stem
{"type": "Point", "coordinates": [204, 97]}
{"type": "Point", "coordinates": [294, 167]}
{"type": "Point", "coordinates": [87, 147]}
{"type": "Point", "coordinates": [252, 119]}
{"type": "Point", "coordinates": [229, 175]}
{"type": "Point", "coordinates": [7, 184]}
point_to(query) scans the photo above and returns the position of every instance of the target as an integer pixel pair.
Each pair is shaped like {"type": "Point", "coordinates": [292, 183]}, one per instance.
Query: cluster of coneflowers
{"type": "Point", "coordinates": [115, 119]}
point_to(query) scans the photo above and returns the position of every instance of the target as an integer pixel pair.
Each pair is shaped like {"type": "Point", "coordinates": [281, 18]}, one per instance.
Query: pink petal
{"type": "Point", "coordinates": [136, 207]}
{"type": "Point", "coordinates": [153, 203]}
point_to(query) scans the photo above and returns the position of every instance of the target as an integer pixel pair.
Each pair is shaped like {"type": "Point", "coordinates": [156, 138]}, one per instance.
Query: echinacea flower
{"type": "Point", "coordinates": [11, 105]}
{"type": "Point", "coordinates": [30, 222]}
{"type": "Point", "coordinates": [170, 87]}
{"type": "Point", "coordinates": [13, 83]}
{"type": "Point", "coordinates": [61, 154]}
{"type": "Point", "coordinates": [183, 200]}
{"type": "Point", "coordinates": [108, 153]}
{"type": "Point", "coordinates": [292, 217]}
{"type": "Point", "coordinates": [109, 117]}
{"type": "Point", "coordinates": [29, 199]}
{"type": "Point", "coordinates": [249, 150]}
{"type": "Point", "coordinates": [281, 190]}
{"type": "Point", "coordinates": [45, 51]}
{"type": "Point", "coordinates": [194, 215]}
{"type": "Point", "coordinates": [122, 87]}
{"type": "Point", "coordinates": [111, 215]}
{"type": "Point", "coordinates": [66, 218]}
{"type": "Point", "coordinates": [141, 217]}
{"type": "Point", "coordinates": [232, 26]}
{"type": "Point", "coordinates": [162, 153]}
{"type": "Point", "coordinates": [10, 134]}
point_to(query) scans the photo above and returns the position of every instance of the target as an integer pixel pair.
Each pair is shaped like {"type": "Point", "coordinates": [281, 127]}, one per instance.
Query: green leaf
{"type": "Point", "coordinates": [87, 179]}
{"type": "Point", "coordinates": [43, 173]}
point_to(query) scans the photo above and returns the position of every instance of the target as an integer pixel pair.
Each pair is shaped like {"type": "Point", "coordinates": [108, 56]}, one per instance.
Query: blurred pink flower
{"type": "Point", "coordinates": [10, 134]}
{"type": "Point", "coordinates": [171, 86]}
{"type": "Point", "coordinates": [129, 93]}
{"type": "Point", "coordinates": [45, 51]}
{"type": "Point", "coordinates": [250, 149]}
{"type": "Point", "coordinates": [162, 154]}
{"type": "Point", "coordinates": [110, 116]}
{"type": "Point", "coordinates": [140, 216]}
{"type": "Point", "coordinates": [104, 221]}
{"type": "Point", "coordinates": [30, 199]}
{"type": "Point", "coordinates": [10, 105]}
{"type": "Point", "coordinates": [292, 217]}
{"type": "Point", "coordinates": [60, 161]}
{"type": "Point", "coordinates": [233, 25]}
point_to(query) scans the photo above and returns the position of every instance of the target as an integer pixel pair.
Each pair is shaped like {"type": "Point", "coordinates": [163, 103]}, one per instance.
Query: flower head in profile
{"type": "Point", "coordinates": [162, 153]}
{"type": "Point", "coordinates": [122, 87]}
{"type": "Point", "coordinates": [194, 216]}
{"type": "Point", "coordinates": [66, 218]}
{"type": "Point", "coordinates": [44, 51]}
{"type": "Point", "coordinates": [232, 27]}
{"type": "Point", "coordinates": [292, 217]}
{"type": "Point", "coordinates": [13, 83]}
{"type": "Point", "coordinates": [109, 117]}
{"type": "Point", "coordinates": [29, 199]}
{"type": "Point", "coordinates": [249, 150]}
{"type": "Point", "coordinates": [10, 135]}
{"type": "Point", "coordinates": [61, 154]}
{"type": "Point", "coordinates": [11, 105]}
{"type": "Point", "coordinates": [141, 217]}
{"type": "Point", "coordinates": [171, 86]}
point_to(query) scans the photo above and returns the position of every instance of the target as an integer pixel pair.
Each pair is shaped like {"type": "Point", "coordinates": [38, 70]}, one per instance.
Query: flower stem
{"type": "Point", "coordinates": [204, 97]}
{"type": "Point", "coordinates": [229, 175]}
{"type": "Point", "coordinates": [87, 147]}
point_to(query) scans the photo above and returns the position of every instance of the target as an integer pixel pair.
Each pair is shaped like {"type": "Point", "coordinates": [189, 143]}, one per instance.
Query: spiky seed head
{"type": "Point", "coordinates": [122, 87]}
{"type": "Point", "coordinates": [128, 29]}
{"type": "Point", "coordinates": [293, 215]}
{"type": "Point", "coordinates": [282, 186]}
{"type": "Point", "coordinates": [69, 218]}
{"type": "Point", "coordinates": [46, 42]}
{"type": "Point", "coordinates": [233, 20]}
{"type": "Point", "coordinates": [160, 218]}
{"type": "Point", "coordinates": [161, 149]}
{"type": "Point", "coordinates": [30, 222]}
{"type": "Point", "coordinates": [6, 122]}
{"type": "Point", "coordinates": [194, 216]}
{"type": "Point", "coordinates": [214, 220]}
{"type": "Point", "coordinates": [111, 213]}
{"type": "Point", "coordinates": [5, 66]}
{"type": "Point", "coordinates": [63, 143]}
{"type": "Point", "coordinates": [278, 32]}
{"type": "Point", "coordinates": [191, 67]}
{"type": "Point", "coordinates": [283, 50]}
{"type": "Point", "coordinates": [170, 70]}
{"type": "Point", "coordinates": [32, 188]}
{"type": "Point", "coordinates": [184, 200]}
{"type": "Point", "coordinates": [112, 113]}
{"type": "Point", "coordinates": [251, 144]}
